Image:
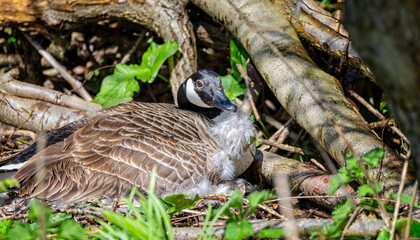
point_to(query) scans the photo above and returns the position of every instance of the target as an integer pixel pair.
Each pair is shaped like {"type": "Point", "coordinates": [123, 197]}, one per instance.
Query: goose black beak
{"type": "Point", "coordinates": [220, 100]}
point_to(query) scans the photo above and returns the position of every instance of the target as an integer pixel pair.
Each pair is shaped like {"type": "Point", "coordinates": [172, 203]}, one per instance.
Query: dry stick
{"type": "Point", "coordinates": [286, 147]}
{"type": "Point", "coordinates": [248, 92]}
{"type": "Point", "coordinates": [377, 113]}
{"type": "Point", "coordinates": [114, 205]}
{"type": "Point", "coordinates": [267, 209]}
{"type": "Point", "coordinates": [276, 51]}
{"type": "Point", "coordinates": [127, 56]}
{"type": "Point", "coordinates": [282, 187]}
{"type": "Point", "coordinates": [75, 84]}
{"type": "Point", "coordinates": [353, 215]}
{"type": "Point", "coordinates": [314, 161]}
{"type": "Point", "coordinates": [14, 132]}
{"type": "Point", "coordinates": [410, 211]}
{"type": "Point", "coordinates": [397, 205]}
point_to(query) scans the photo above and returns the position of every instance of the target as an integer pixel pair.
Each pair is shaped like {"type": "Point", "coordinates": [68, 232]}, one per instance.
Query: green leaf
{"type": "Point", "coordinates": [272, 233]}
{"type": "Point", "coordinates": [352, 164]}
{"type": "Point", "coordinates": [238, 54]}
{"type": "Point", "coordinates": [36, 209]}
{"type": "Point", "coordinates": [342, 211]}
{"type": "Point", "coordinates": [8, 183]}
{"type": "Point", "coordinates": [414, 229]}
{"type": "Point", "coordinates": [373, 157]}
{"type": "Point", "coordinates": [343, 177]}
{"type": "Point", "coordinates": [121, 85]}
{"type": "Point", "coordinates": [70, 230]}
{"type": "Point", "coordinates": [236, 199]}
{"type": "Point", "coordinates": [382, 105]}
{"type": "Point", "coordinates": [256, 198]}
{"type": "Point", "coordinates": [238, 230]}
{"type": "Point", "coordinates": [383, 235]}
{"type": "Point", "coordinates": [180, 202]}
{"type": "Point", "coordinates": [116, 88]}
{"type": "Point", "coordinates": [366, 190]}
{"type": "Point", "coordinates": [405, 198]}
{"type": "Point", "coordinates": [231, 87]}
{"type": "Point", "coordinates": [21, 232]}
{"type": "Point", "coordinates": [153, 59]}
{"type": "Point", "coordinates": [340, 214]}
{"type": "Point", "coordinates": [59, 218]}
{"type": "Point", "coordinates": [5, 226]}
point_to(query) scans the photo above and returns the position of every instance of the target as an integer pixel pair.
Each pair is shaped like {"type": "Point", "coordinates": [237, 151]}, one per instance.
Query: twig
{"type": "Point", "coordinates": [280, 126]}
{"type": "Point", "coordinates": [14, 132]}
{"type": "Point", "coordinates": [127, 56]}
{"type": "Point", "coordinates": [76, 85]}
{"type": "Point", "coordinates": [377, 113]}
{"type": "Point", "coordinates": [248, 92]}
{"type": "Point", "coordinates": [410, 211]}
{"type": "Point", "coordinates": [346, 228]}
{"type": "Point", "coordinates": [114, 205]}
{"type": "Point", "coordinates": [267, 209]}
{"type": "Point", "coordinates": [282, 187]}
{"type": "Point", "coordinates": [397, 205]}
{"type": "Point", "coordinates": [286, 147]}
{"type": "Point", "coordinates": [319, 165]}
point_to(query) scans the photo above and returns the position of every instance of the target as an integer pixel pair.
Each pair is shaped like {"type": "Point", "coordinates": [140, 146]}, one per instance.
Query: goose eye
{"type": "Point", "coordinates": [199, 84]}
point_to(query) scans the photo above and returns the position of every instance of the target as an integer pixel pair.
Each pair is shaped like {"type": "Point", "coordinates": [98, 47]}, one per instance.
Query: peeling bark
{"type": "Point", "coordinates": [45, 116]}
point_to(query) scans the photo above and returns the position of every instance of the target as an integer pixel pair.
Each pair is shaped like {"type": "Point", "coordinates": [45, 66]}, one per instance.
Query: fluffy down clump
{"type": "Point", "coordinates": [232, 132]}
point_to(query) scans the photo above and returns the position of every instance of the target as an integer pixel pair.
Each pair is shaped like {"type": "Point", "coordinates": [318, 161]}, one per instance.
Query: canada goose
{"type": "Point", "coordinates": [195, 146]}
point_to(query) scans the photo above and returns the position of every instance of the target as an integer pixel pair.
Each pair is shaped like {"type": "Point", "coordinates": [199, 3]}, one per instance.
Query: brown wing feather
{"type": "Point", "coordinates": [118, 150]}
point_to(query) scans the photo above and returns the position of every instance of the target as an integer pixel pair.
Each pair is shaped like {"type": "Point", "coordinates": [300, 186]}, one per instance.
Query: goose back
{"type": "Point", "coordinates": [118, 148]}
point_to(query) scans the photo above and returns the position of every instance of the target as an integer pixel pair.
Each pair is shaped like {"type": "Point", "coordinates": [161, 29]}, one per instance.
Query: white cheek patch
{"type": "Point", "coordinates": [193, 96]}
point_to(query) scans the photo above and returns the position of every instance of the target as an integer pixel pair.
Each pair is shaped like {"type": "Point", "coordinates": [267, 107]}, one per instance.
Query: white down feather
{"type": "Point", "coordinates": [233, 132]}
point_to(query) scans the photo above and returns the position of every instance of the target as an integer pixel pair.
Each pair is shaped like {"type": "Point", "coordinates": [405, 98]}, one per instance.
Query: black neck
{"type": "Point", "coordinates": [184, 103]}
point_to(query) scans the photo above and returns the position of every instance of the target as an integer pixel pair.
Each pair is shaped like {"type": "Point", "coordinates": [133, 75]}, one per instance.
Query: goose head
{"type": "Point", "coordinates": [202, 92]}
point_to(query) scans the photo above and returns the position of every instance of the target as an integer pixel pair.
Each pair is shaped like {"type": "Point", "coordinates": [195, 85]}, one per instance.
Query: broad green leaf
{"type": "Point", "coordinates": [405, 198]}
{"type": "Point", "coordinates": [153, 59]}
{"type": "Point", "coordinates": [231, 87]}
{"type": "Point", "coordinates": [238, 230]}
{"type": "Point", "coordinates": [70, 230]}
{"type": "Point", "coordinates": [373, 157]}
{"type": "Point", "coordinates": [238, 54]}
{"type": "Point", "coordinates": [366, 190]}
{"type": "Point", "coordinates": [414, 229]}
{"type": "Point", "coordinates": [116, 88]}
{"type": "Point", "coordinates": [180, 202]}
{"type": "Point", "coordinates": [21, 232]}
{"type": "Point", "coordinates": [272, 233]}
{"type": "Point", "coordinates": [127, 70]}
{"type": "Point", "coordinates": [122, 84]}
{"type": "Point", "coordinates": [383, 235]}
